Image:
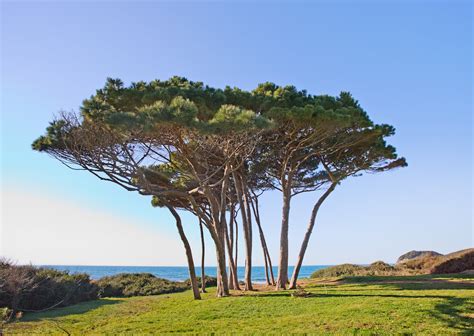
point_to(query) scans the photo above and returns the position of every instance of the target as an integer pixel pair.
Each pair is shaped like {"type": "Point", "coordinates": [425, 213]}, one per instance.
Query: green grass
{"type": "Point", "coordinates": [422, 305]}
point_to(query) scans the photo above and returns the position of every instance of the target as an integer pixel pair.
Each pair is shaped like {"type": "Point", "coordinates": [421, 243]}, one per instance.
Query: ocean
{"type": "Point", "coordinates": [175, 273]}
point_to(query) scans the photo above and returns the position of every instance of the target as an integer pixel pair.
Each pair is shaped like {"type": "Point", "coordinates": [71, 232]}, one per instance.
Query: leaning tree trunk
{"type": "Point", "coordinates": [189, 255]}
{"type": "Point", "coordinates": [203, 249]}
{"type": "Point", "coordinates": [307, 235]}
{"type": "Point", "coordinates": [283, 262]}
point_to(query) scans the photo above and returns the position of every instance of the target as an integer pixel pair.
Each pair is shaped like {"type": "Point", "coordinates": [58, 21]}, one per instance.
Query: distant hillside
{"type": "Point", "coordinates": [417, 254]}
{"type": "Point", "coordinates": [456, 262]}
{"type": "Point", "coordinates": [411, 263]}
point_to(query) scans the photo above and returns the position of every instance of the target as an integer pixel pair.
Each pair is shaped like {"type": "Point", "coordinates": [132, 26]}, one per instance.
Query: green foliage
{"type": "Point", "coordinates": [194, 104]}
{"type": "Point", "coordinates": [210, 281]}
{"type": "Point", "coordinates": [137, 284]}
{"type": "Point", "coordinates": [337, 271]}
{"type": "Point", "coordinates": [233, 118]}
{"type": "Point", "coordinates": [334, 129]}
{"type": "Point", "coordinates": [54, 136]}
{"type": "Point", "coordinates": [380, 267]}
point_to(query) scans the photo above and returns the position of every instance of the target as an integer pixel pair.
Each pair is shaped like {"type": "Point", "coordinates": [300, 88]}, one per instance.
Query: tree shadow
{"type": "Point", "coordinates": [451, 311]}
{"type": "Point", "coordinates": [440, 284]}
{"type": "Point", "coordinates": [78, 308]}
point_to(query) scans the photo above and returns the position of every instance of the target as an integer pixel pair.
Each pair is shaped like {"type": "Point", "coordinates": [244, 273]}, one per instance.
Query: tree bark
{"type": "Point", "coordinates": [189, 255]}
{"type": "Point", "coordinates": [247, 233]}
{"type": "Point", "coordinates": [307, 235]}
{"type": "Point", "coordinates": [236, 244]}
{"type": "Point", "coordinates": [266, 254]}
{"type": "Point", "coordinates": [233, 275]}
{"type": "Point", "coordinates": [234, 281]}
{"type": "Point", "coordinates": [283, 262]}
{"type": "Point", "coordinates": [222, 282]}
{"type": "Point", "coordinates": [203, 249]}
{"type": "Point", "coordinates": [248, 240]}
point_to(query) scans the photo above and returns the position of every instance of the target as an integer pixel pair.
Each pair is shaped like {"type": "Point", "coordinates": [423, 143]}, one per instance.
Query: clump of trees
{"type": "Point", "coordinates": [214, 152]}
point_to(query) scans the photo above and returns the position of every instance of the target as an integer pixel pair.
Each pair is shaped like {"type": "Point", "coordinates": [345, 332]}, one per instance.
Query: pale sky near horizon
{"type": "Point", "coordinates": [408, 63]}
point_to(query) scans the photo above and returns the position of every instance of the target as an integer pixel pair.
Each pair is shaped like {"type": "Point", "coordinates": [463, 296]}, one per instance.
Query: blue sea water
{"type": "Point", "coordinates": [175, 273]}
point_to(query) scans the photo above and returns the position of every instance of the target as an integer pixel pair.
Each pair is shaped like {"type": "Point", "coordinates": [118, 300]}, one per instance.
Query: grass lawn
{"type": "Point", "coordinates": [430, 305]}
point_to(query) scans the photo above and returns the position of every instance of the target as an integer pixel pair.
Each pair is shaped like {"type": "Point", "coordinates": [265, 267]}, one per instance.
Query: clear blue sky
{"type": "Point", "coordinates": [408, 63]}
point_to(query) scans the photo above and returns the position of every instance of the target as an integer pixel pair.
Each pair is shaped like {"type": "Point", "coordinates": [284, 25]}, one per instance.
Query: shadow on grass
{"type": "Point", "coordinates": [79, 308]}
{"type": "Point", "coordinates": [415, 285]}
{"type": "Point", "coordinates": [420, 277]}
{"type": "Point", "coordinates": [452, 311]}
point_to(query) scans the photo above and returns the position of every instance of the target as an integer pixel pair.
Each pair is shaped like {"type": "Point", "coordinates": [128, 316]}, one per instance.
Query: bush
{"type": "Point", "coordinates": [420, 264]}
{"type": "Point", "coordinates": [339, 270]}
{"type": "Point", "coordinates": [380, 268]}
{"type": "Point", "coordinates": [210, 281]}
{"type": "Point", "coordinates": [376, 268]}
{"type": "Point", "coordinates": [137, 284]}
{"type": "Point", "coordinates": [60, 286]}
{"type": "Point", "coordinates": [29, 288]}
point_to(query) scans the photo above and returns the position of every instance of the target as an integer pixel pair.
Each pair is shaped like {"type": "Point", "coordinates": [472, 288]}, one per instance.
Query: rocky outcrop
{"type": "Point", "coordinates": [417, 254]}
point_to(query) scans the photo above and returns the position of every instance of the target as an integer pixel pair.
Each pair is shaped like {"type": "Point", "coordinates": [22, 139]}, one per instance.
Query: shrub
{"type": "Point", "coordinates": [137, 284]}
{"type": "Point", "coordinates": [210, 281]}
{"type": "Point", "coordinates": [376, 268]}
{"type": "Point", "coordinates": [380, 268]}
{"type": "Point", "coordinates": [29, 288]}
{"type": "Point", "coordinates": [60, 286]}
{"type": "Point", "coordinates": [420, 264]}
{"type": "Point", "coordinates": [339, 270]}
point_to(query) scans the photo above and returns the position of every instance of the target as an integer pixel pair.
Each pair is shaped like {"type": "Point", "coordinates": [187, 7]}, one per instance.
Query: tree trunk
{"type": "Point", "coordinates": [222, 283]}
{"type": "Point", "coordinates": [234, 281]}
{"type": "Point", "coordinates": [247, 233]}
{"type": "Point", "coordinates": [218, 235]}
{"type": "Point", "coordinates": [230, 248]}
{"type": "Point", "coordinates": [248, 240]}
{"type": "Point", "coordinates": [266, 254]}
{"type": "Point", "coordinates": [283, 262]}
{"type": "Point", "coordinates": [236, 244]}
{"type": "Point", "coordinates": [203, 249]}
{"type": "Point", "coordinates": [307, 235]}
{"type": "Point", "coordinates": [189, 255]}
